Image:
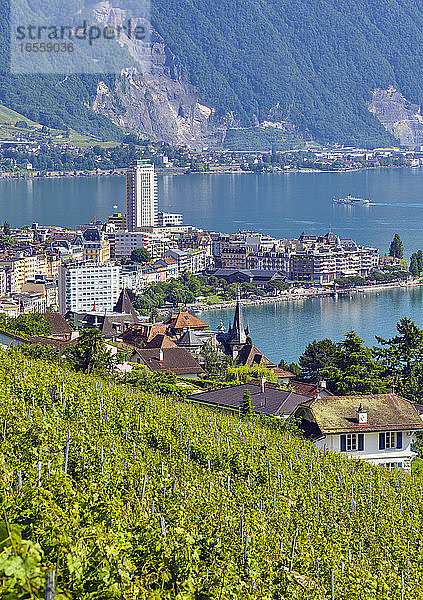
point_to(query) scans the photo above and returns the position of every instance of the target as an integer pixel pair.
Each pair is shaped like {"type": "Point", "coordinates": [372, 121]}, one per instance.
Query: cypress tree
{"type": "Point", "coordinates": [245, 406]}
{"type": "Point", "coordinates": [396, 248]}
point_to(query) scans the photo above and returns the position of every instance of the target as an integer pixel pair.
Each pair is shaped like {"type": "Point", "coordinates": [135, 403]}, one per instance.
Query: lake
{"type": "Point", "coordinates": [283, 329]}
{"type": "Point", "coordinates": [282, 205]}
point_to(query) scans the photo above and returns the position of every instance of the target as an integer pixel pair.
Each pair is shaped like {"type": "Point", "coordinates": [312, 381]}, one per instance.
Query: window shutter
{"type": "Point", "coordinates": [399, 439]}
{"type": "Point", "coordinates": [343, 443]}
{"type": "Point", "coordinates": [361, 441]}
{"type": "Point", "coordinates": [382, 441]}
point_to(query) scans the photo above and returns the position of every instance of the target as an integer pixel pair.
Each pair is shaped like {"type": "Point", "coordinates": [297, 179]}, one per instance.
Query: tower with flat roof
{"type": "Point", "coordinates": [141, 195]}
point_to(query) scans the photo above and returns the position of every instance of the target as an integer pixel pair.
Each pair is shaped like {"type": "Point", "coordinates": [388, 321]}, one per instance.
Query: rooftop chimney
{"type": "Point", "coordinates": [161, 356]}
{"type": "Point", "coordinates": [262, 383]}
{"type": "Point", "coordinates": [361, 414]}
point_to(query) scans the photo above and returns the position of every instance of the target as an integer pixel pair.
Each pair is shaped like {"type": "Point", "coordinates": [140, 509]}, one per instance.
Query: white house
{"type": "Point", "coordinates": [378, 428]}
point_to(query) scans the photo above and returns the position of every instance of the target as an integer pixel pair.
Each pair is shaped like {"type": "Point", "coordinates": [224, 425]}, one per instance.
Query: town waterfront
{"type": "Point", "coordinates": [281, 205]}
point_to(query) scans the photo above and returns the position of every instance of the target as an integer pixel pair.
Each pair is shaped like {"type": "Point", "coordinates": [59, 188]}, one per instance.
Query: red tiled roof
{"type": "Point", "coordinates": [281, 373]}
{"type": "Point", "coordinates": [250, 355]}
{"type": "Point", "coordinates": [177, 360]}
{"type": "Point", "coordinates": [143, 333]}
{"type": "Point", "coordinates": [183, 320]}
{"type": "Point", "coordinates": [161, 341]}
{"type": "Point", "coordinates": [308, 389]}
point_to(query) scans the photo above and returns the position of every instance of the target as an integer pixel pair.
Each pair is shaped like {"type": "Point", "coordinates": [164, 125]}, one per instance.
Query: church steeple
{"type": "Point", "coordinates": [236, 337]}
{"type": "Point", "coordinates": [238, 328]}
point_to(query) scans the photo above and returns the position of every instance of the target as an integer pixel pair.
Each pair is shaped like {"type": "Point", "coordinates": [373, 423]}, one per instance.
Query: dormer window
{"type": "Point", "coordinates": [361, 415]}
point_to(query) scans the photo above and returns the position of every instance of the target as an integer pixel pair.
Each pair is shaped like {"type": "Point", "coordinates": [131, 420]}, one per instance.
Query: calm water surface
{"type": "Point", "coordinates": [281, 205]}
{"type": "Point", "coordinates": [283, 330]}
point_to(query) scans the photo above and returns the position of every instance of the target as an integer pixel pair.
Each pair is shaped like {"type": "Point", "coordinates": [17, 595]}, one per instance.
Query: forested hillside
{"type": "Point", "coordinates": [53, 100]}
{"type": "Point", "coordinates": [133, 496]}
{"type": "Point", "coordinates": [313, 62]}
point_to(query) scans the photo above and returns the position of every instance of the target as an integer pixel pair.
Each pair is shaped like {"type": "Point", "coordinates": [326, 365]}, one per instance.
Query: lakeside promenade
{"type": "Point", "coordinates": [300, 294]}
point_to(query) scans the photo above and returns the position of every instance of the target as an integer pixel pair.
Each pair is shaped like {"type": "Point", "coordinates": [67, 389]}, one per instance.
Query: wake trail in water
{"type": "Point", "coordinates": [397, 204]}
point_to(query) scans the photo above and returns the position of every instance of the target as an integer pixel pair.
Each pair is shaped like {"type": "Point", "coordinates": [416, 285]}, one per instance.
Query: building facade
{"type": "Point", "coordinates": [85, 287]}
{"type": "Point", "coordinates": [169, 219]}
{"type": "Point", "coordinates": [379, 428]}
{"type": "Point", "coordinates": [141, 195]}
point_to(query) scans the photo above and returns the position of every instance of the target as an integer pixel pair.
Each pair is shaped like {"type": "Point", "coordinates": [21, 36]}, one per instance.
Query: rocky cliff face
{"type": "Point", "coordinates": [399, 116]}
{"type": "Point", "coordinates": [153, 97]}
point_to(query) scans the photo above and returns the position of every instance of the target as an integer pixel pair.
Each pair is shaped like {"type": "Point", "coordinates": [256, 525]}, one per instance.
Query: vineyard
{"type": "Point", "coordinates": [123, 495]}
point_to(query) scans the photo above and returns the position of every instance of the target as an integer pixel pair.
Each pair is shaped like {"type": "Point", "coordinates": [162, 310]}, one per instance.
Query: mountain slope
{"type": "Point", "coordinates": [315, 62]}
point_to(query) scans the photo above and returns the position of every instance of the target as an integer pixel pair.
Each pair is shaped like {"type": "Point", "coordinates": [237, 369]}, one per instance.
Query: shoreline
{"type": "Point", "coordinates": [161, 172]}
{"type": "Point", "coordinates": [299, 296]}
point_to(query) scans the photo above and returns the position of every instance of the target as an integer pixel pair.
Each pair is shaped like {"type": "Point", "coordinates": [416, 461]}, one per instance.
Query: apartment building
{"type": "Point", "coordinates": [21, 269]}
{"type": "Point", "coordinates": [118, 221]}
{"type": "Point", "coordinates": [30, 302]}
{"type": "Point", "coordinates": [324, 265]}
{"type": "Point", "coordinates": [95, 245]}
{"type": "Point", "coordinates": [265, 261]}
{"type": "Point", "coordinates": [86, 287]}
{"type": "Point", "coordinates": [125, 242]}
{"type": "Point", "coordinates": [48, 289]}
{"type": "Point", "coordinates": [235, 256]}
{"type": "Point", "coordinates": [193, 261]}
{"type": "Point", "coordinates": [169, 219]}
{"type": "Point", "coordinates": [141, 195]}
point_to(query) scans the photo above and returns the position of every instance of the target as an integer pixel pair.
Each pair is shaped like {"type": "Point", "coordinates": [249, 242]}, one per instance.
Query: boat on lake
{"type": "Point", "coordinates": [352, 200]}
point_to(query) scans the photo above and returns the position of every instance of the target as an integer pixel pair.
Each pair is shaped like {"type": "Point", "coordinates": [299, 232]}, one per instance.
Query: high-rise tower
{"type": "Point", "coordinates": [141, 195]}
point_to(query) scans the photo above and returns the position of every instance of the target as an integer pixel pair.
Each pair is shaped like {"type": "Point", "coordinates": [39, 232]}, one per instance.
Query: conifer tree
{"type": "Point", "coordinates": [245, 407]}
{"type": "Point", "coordinates": [396, 249]}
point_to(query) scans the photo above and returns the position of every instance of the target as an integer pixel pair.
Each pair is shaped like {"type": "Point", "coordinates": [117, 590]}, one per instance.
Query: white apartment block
{"type": "Point", "coordinates": [323, 266]}
{"type": "Point", "coordinates": [169, 219]}
{"type": "Point", "coordinates": [127, 241]}
{"type": "Point", "coordinates": [141, 195]}
{"type": "Point", "coordinates": [193, 261]}
{"type": "Point", "coordinates": [83, 287]}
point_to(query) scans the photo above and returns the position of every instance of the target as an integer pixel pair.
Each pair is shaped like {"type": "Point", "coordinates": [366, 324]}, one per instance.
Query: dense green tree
{"type": "Point", "coordinates": [317, 356]}
{"type": "Point", "coordinates": [402, 357]}
{"type": "Point", "coordinates": [6, 228]}
{"type": "Point", "coordinates": [355, 369]}
{"type": "Point", "coordinates": [215, 363]}
{"type": "Point", "coordinates": [140, 255]}
{"type": "Point", "coordinates": [26, 325]}
{"type": "Point", "coordinates": [396, 249]}
{"type": "Point", "coordinates": [276, 286]}
{"type": "Point", "coordinates": [414, 266]}
{"type": "Point", "coordinates": [90, 353]}
{"type": "Point", "coordinates": [290, 367]}
{"type": "Point", "coordinates": [403, 353]}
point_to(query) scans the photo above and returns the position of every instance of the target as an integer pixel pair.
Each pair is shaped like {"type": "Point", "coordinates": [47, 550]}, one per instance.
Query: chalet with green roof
{"type": "Point", "coordinates": [379, 428]}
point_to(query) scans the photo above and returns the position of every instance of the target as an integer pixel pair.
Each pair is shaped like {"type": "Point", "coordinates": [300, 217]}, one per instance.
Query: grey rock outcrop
{"type": "Point", "coordinates": [399, 116]}
{"type": "Point", "coordinates": [153, 97]}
